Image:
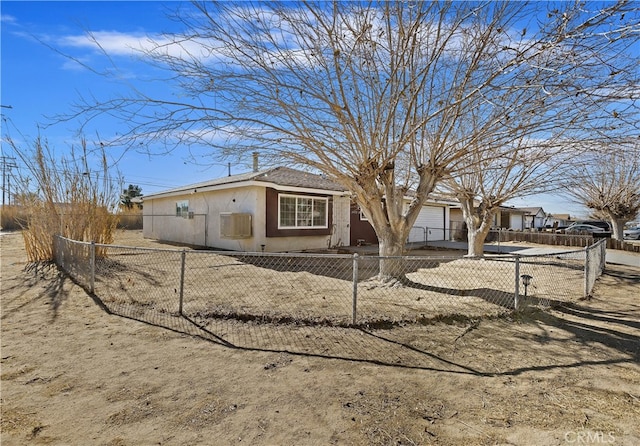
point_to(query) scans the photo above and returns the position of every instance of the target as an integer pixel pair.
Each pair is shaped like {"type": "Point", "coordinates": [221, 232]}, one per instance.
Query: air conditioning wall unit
{"type": "Point", "coordinates": [235, 225]}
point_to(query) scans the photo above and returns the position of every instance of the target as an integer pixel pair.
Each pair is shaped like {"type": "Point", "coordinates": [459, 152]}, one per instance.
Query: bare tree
{"type": "Point", "coordinates": [372, 94]}
{"type": "Point", "coordinates": [502, 174]}
{"type": "Point", "coordinates": [526, 134]}
{"type": "Point", "coordinates": [608, 182]}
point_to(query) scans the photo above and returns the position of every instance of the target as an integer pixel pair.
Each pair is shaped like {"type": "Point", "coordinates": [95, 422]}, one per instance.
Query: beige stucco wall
{"type": "Point", "coordinates": [161, 223]}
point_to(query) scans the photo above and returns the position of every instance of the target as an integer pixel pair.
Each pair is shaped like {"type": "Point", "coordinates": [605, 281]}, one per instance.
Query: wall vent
{"type": "Point", "coordinates": [235, 225]}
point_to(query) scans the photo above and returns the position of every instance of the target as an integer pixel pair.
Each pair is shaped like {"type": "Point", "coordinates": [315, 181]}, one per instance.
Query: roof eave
{"type": "Point", "coordinates": [240, 184]}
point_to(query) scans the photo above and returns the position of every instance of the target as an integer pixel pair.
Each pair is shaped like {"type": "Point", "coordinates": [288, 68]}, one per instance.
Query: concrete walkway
{"type": "Point", "coordinates": [614, 256]}
{"type": "Point", "coordinates": [623, 257]}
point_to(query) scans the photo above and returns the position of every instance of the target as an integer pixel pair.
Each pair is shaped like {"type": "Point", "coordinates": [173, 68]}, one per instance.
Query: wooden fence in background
{"type": "Point", "coordinates": [549, 238]}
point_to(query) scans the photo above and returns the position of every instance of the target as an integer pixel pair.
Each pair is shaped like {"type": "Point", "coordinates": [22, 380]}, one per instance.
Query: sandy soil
{"type": "Point", "coordinates": [74, 374]}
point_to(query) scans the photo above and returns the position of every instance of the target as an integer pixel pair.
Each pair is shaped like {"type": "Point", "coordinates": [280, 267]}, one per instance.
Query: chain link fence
{"type": "Point", "coordinates": [328, 289]}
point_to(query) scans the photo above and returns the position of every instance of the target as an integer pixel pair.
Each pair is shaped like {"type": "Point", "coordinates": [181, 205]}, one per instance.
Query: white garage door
{"type": "Point", "coordinates": [515, 222]}
{"type": "Point", "coordinates": [431, 220]}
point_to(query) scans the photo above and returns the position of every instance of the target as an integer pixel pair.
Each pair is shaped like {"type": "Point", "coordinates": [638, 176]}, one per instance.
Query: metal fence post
{"type": "Point", "coordinates": [355, 288]}
{"type": "Point", "coordinates": [92, 267]}
{"type": "Point", "coordinates": [516, 296]}
{"type": "Point", "coordinates": [183, 257]}
{"type": "Point", "coordinates": [587, 266]}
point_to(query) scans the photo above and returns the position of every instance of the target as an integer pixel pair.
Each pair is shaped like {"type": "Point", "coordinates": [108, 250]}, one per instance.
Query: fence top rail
{"type": "Point", "coordinates": [273, 254]}
{"type": "Point", "coordinates": [79, 242]}
{"type": "Point", "coordinates": [129, 247]}
{"type": "Point", "coordinates": [550, 254]}
{"type": "Point", "coordinates": [541, 233]}
{"type": "Point", "coordinates": [508, 256]}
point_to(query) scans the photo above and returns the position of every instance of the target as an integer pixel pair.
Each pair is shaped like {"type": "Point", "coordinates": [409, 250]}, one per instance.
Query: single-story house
{"type": "Point", "coordinates": [274, 210]}
{"type": "Point", "coordinates": [558, 220]}
{"type": "Point", "coordinates": [433, 223]}
{"type": "Point", "coordinates": [509, 218]}
{"type": "Point", "coordinates": [506, 218]}
{"type": "Point", "coordinates": [534, 218]}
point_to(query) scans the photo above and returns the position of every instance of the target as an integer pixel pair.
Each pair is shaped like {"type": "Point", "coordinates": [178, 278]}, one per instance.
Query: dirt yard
{"type": "Point", "coordinates": [74, 374]}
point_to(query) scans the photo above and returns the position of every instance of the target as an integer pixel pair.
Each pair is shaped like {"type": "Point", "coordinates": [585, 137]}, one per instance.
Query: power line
{"type": "Point", "coordinates": [99, 174]}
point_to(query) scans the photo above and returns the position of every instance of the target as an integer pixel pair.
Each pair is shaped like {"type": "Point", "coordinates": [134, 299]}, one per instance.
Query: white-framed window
{"type": "Point", "coordinates": [302, 212]}
{"type": "Point", "coordinates": [363, 217]}
{"type": "Point", "coordinates": [182, 208]}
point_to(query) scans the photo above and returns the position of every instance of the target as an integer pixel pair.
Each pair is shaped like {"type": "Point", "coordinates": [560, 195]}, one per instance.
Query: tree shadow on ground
{"type": "Point", "coordinates": [583, 325]}
{"type": "Point", "coordinates": [394, 349]}
{"type": "Point", "coordinates": [623, 274]}
{"type": "Point", "coordinates": [51, 286]}
{"type": "Point", "coordinates": [335, 267]}
{"type": "Point", "coordinates": [496, 297]}
{"type": "Point", "coordinates": [590, 325]}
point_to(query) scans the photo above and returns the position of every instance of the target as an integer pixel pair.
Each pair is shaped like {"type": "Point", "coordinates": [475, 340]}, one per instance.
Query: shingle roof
{"type": "Point", "coordinates": [511, 208]}
{"type": "Point", "coordinates": [533, 210]}
{"type": "Point", "coordinates": [285, 176]}
{"type": "Point", "coordinates": [281, 176]}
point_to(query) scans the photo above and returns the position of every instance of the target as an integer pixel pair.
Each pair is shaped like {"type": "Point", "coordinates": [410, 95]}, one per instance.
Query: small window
{"type": "Point", "coordinates": [182, 209]}
{"type": "Point", "coordinates": [302, 212]}
{"type": "Point", "coordinates": [363, 217]}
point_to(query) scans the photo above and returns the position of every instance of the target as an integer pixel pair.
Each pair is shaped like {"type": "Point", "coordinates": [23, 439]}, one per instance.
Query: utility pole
{"type": "Point", "coordinates": [7, 163]}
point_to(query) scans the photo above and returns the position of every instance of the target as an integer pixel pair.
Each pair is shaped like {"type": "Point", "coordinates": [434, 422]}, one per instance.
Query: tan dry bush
{"type": "Point", "coordinates": [130, 219]}
{"type": "Point", "coordinates": [71, 200]}
{"type": "Point", "coordinates": [12, 217]}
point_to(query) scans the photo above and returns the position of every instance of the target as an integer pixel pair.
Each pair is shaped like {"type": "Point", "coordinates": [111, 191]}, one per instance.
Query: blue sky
{"type": "Point", "coordinates": [39, 83]}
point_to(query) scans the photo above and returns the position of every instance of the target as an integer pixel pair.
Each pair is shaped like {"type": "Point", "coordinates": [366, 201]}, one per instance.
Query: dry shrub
{"type": "Point", "coordinates": [71, 199]}
{"type": "Point", "coordinates": [12, 217]}
{"type": "Point", "coordinates": [130, 219]}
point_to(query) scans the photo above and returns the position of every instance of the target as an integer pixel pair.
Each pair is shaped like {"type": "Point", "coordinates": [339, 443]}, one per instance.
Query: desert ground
{"type": "Point", "coordinates": [74, 373]}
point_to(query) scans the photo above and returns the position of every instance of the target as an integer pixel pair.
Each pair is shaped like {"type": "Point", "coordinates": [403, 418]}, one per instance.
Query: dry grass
{"type": "Point", "coordinates": [130, 219]}
{"type": "Point", "coordinates": [72, 200]}
{"type": "Point", "coordinates": [12, 217]}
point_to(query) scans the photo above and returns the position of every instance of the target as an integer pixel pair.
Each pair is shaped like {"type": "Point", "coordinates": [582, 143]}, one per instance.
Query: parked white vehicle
{"type": "Point", "coordinates": [578, 228]}
{"type": "Point", "coordinates": [632, 233]}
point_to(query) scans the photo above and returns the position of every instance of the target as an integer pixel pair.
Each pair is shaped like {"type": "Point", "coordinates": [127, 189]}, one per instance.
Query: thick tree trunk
{"type": "Point", "coordinates": [618, 228]}
{"type": "Point", "coordinates": [391, 244]}
{"type": "Point", "coordinates": [391, 215]}
{"type": "Point", "coordinates": [477, 237]}
{"type": "Point", "coordinates": [617, 224]}
{"type": "Point", "coordinates": [478, 226]}
{"type": "Point", "coordinates": [475, 241]}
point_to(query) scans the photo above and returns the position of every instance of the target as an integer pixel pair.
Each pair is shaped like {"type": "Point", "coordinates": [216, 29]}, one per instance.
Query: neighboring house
{"type": "Point", "coordinates": [458, 226]}
{"type": "Point", "coordinates": [274, 210]}
{"type": "Point", "coordinates": [432, 223]}
{"type": "Point", "coordinates": [558, 220]}
{"type": "Point", "coordinates": [534, 218]}
{"type": "Point", "coordinates": [510, 218]}
{"type": "Point", "coordinates": [506, 218]}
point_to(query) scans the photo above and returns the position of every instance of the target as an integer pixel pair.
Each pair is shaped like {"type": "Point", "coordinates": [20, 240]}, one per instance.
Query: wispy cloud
{"type": "Point", "coordinates": [5, 18]}
{"type": "Point", "coordinates": [114, 43]}
{"type": "Point", "coordinates": [122, 44]}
